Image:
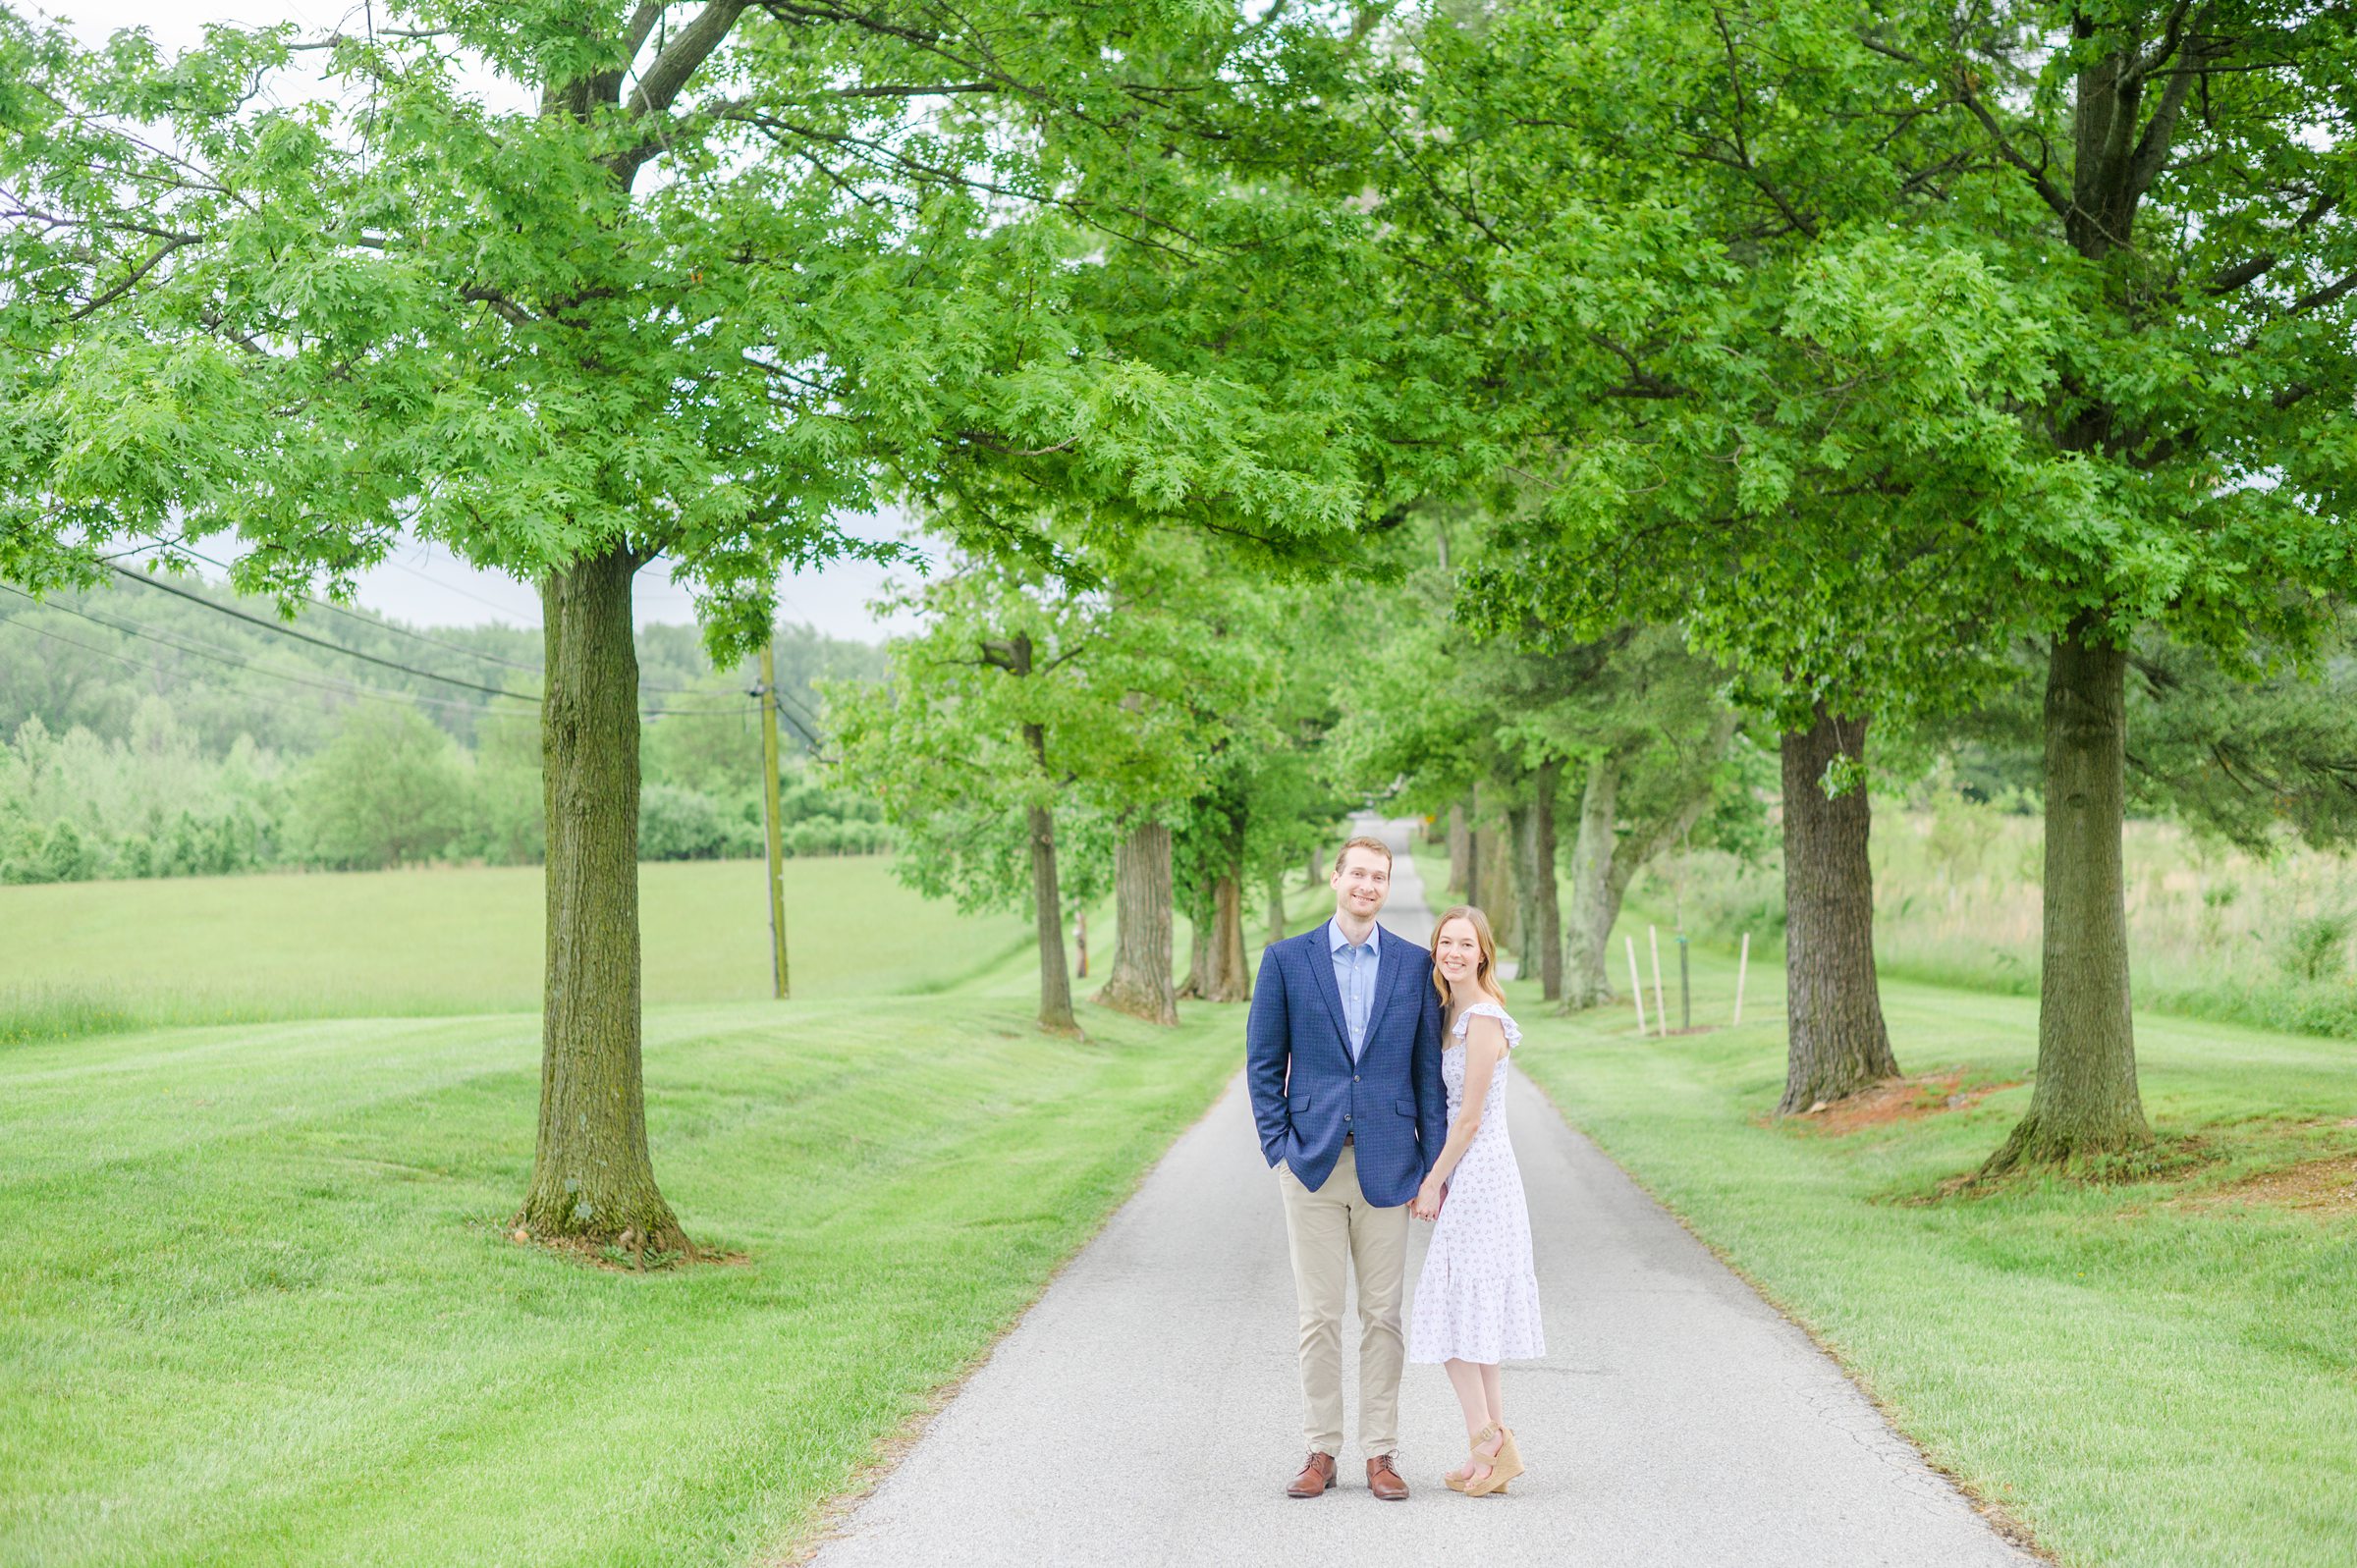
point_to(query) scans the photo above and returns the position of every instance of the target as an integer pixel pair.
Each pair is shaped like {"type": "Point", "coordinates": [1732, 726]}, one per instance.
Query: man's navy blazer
{"type": "Point", "coordinates": [1307, 1093]}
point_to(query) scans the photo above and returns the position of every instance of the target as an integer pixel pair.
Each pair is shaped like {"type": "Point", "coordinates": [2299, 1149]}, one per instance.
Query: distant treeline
{"type": "Point", "coordinates": [145, 735]}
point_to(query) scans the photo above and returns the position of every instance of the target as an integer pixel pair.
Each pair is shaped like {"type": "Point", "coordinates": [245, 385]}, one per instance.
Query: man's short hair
{"type": "Point", "coordinates": [1363, 842]}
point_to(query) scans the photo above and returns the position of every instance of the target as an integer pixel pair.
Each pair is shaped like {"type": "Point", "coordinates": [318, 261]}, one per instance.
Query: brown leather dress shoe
{"type": "Point", "coordinates": [1317, 1474]}
{"type": "Point", "coordinates": [1383, 1481]}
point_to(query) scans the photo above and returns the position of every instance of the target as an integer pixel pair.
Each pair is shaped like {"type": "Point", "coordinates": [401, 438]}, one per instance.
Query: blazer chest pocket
{"type": "Point", "coordinates": [1405, 1108]}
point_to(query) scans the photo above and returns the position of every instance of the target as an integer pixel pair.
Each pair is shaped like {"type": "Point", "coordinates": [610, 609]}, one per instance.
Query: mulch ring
{"type": "Point", "coordinates": [2325, 1187]}
{"type": "Point", "coordinates": [1909, 1098]}
{"type": "Point", "coordinates": [630, 1255]}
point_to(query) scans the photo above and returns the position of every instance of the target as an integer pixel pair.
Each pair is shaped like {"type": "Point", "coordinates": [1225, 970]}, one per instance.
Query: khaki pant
{"type": "Point", "coordinates": [1332, 1231]}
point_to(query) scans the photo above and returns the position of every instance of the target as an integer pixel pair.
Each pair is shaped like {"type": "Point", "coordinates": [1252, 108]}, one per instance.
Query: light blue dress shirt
{"type": "Point", "coordinates": [1354, 977]}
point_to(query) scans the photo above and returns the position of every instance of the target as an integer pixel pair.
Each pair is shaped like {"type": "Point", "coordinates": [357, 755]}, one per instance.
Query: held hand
{"type": "Point", "coordinates": [1427, 1204]}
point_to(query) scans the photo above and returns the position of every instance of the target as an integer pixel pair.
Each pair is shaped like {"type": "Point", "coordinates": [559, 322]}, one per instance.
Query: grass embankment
{"type": "Point", "coordinates": [2213, 932]}
{"type": "Point", "coordinates": [260, 1305]}
{"type": "Point", "coordinates": [92, 957]}
{"type": "Point", "coordinates": [2159, 1372]}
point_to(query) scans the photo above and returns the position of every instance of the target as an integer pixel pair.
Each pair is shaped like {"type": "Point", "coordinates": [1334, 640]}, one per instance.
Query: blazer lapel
{"type": "Point", "coordinates": [1392, 949]}
{"type": "Point", "coordinates": [1321, 971]}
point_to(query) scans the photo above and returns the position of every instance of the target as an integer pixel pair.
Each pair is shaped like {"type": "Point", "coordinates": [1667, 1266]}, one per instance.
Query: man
{"type": "Point", "coordinates": [1342, 1056]}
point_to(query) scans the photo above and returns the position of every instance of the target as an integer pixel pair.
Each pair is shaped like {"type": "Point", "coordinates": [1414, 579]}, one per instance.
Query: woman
{"type": "Point", "coordinates": [1477, 1301]}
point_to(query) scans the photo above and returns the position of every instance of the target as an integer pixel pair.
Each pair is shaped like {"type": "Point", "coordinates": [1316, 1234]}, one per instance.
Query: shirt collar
{"type": "Point", "coordinates": [1336, 941]}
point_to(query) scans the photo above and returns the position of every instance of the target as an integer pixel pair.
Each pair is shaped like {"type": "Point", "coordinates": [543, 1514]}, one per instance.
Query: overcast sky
{"type": "Point", "coordinates": [425, 585]}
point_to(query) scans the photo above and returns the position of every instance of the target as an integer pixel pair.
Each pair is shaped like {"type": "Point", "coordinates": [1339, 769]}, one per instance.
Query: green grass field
{"type": "Point", "coordinates": [94, 956]}
{"type": "Point", "coordinates": [2158, 1372]}
{"type": "Point", "coordinates": [2213, 932]}
{"type": "Point", "coordinates": [2150, 1374]}
{"type": "Point", "coordinates": [261, 1304]}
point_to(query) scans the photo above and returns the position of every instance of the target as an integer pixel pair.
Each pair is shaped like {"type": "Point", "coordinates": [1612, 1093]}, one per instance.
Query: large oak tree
{"type": "Point", "coordinates": [686, 283]}
{"type": "Point", "coordinates": [2182, 171]}
{"type": "Point", "coordinates": [1876, 337]}
{"type": "Point", "coordinates": [1722, 394]}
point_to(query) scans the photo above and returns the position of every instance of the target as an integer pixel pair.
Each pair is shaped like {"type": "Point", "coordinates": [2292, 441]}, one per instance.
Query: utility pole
{"type": "Point", "coordinates": [768, 690]}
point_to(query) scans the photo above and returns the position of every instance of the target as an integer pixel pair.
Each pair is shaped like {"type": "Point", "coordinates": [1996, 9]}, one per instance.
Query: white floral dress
{"type": "Point", "coordinates": [1478, 1296]}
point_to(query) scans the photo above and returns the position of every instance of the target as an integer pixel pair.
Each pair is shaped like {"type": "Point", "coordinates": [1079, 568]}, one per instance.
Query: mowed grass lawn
{"type": "Point", "coordinates": [455, 940]}
{"type": "Point", "coordinates": [2149, 1372]}
{"type": "Point", "coordinates": [260, 1305]}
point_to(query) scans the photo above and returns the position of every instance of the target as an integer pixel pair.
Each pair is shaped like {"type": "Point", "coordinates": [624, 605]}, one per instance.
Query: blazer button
{"type": "Point", "coordinates": [1354, 1077]}
{"type": "Point", "coordinates": [1345, 1115]}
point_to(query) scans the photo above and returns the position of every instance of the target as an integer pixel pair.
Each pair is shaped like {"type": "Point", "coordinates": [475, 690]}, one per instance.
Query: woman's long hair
{"type": "Point", "coordinates": [1485, 974]}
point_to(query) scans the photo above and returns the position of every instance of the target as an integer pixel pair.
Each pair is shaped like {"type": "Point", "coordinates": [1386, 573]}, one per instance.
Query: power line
{"type": "Point", "coordinates": [449, 587]}
{"type": "Point", "coordinates": [162, 586]}
{"type": "Point", "coordinates": [382, 622]}
{"type": "Point", "coordinates": [220, 659]}
{"type": "Point", "coordinates": [131, 629]}
{"type": "Point", "coordinates": [59, 637]}
{"type": "Point", "coordinates": [787, 696]}
{"type": "Point", "coordinates": [180, 642]}
{"type": "Point", "coordinates": [806, 731]}
{"type": "Point", "coordinates": [706, 713]}
{"type": "Point", "coordinates": [799, 727]}
{"type": "Point", "coordinates": [439, 643]}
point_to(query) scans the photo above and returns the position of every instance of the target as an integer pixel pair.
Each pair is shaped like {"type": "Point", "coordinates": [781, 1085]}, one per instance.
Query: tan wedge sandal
{"type": "Point", "coordinates": [1505, 1468]}
{"type": "Point", "coordinates": [1490, 1485]}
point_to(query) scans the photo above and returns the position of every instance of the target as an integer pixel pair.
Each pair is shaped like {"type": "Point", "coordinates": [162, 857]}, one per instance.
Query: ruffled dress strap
{"type": "Point", "coordinates": [1491, 1009]}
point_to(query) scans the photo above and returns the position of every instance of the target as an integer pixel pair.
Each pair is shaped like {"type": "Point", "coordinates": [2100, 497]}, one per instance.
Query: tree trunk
{"type": "Point", "coordinates": [1837, 1043]}
{"type": "Point", "coordinates": [1224, 976]}
{"type": "Point", "coordinates": [1519, 833]}
{"type": "Point", "coordinates": [1140, 982]}
{"type": "Point", "coordinates": [1494, 875]}
{"type": "Point", "coordinates": [1595, 900]}
{"type": "Point", "coordinates": [2086, 1100]}
{"type": "Point", "coordinates": [1546, 936]}
{"type": "Point", "coordinates": [1460, 848]}
{"type": "Point", "coordinates": [1054, 979]}
{"type": "Point", "coordinates": [591, 1175]}
{"type": "Point", "coordinates": [1198, 952]}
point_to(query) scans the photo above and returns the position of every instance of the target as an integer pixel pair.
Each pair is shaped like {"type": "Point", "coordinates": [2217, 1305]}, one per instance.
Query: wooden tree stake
{"type": "Point", "coordinates": [1661, 1013]}
{"type": "Point", "coordinates": [1636, 985]}
{"type": "Point", "coordinates": [1742, 967]}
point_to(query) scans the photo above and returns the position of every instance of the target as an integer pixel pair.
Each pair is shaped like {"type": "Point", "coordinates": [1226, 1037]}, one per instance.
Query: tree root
{"type": "Point", "coordinates": [657, 1233]}
{"type": "Point", "coordinates": [2037, 1145]}
{"type": "Point", "coordinates": [1138, 1000]}
{"type": "Point", "coordinates": [628, 1250]}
